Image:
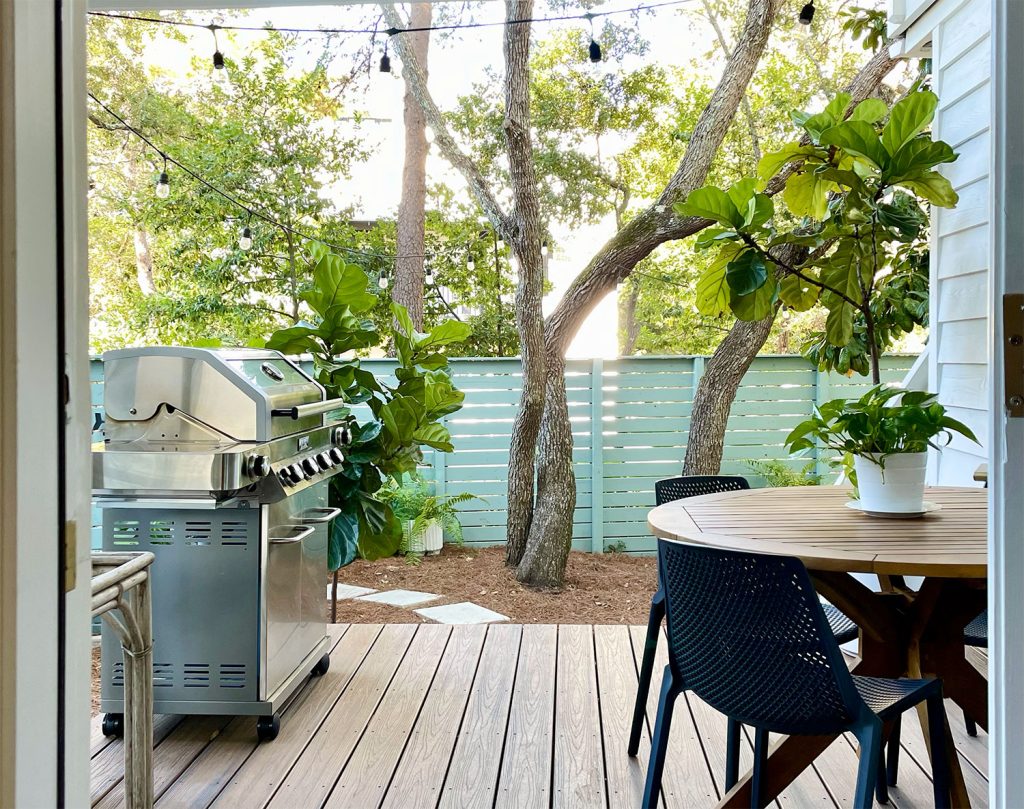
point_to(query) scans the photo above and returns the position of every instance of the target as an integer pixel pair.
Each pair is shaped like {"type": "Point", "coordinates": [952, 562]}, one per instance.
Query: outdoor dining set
{"type": "Point", "coordinates": [760, 588]}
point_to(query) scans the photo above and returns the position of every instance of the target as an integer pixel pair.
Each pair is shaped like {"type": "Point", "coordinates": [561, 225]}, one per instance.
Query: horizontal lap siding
{"type": "Point", "coordinates": [958, 367]}
{"type": "Point", "coordinates": [644, 406]}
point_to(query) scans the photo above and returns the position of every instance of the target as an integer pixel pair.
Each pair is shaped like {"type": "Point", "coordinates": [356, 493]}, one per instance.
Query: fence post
{"type": "Point", "coordinates": [596, 457]}
{"type": "Point", "coordinates": [822, 393]}
{"type": "Point", "coordinates": [698, 372]}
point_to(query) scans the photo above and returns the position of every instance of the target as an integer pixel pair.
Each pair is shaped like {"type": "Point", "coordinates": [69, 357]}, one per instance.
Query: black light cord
{"type": "Point", "coordinates": [392, 31]}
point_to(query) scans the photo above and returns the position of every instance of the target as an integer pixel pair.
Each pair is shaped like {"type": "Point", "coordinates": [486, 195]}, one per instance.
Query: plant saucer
{"type": "Point", "coordinates": [926, 508]}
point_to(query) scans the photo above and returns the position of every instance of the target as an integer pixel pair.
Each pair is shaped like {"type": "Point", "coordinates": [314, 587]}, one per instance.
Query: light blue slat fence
{"type": "Point", "coordinates": [630, 420]}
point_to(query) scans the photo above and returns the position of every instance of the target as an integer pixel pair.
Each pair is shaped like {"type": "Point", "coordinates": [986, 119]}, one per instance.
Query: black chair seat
{"type": "Point", "coordinates": [889, 698]}
{"type": "Point", "coordinates": [976, 632]}
{"type": "Point", "coordinates": [842, 627]}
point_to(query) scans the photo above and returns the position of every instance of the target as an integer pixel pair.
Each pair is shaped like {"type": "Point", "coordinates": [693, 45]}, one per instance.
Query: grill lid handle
{"type": "Point", "coordinates": [311, 409]}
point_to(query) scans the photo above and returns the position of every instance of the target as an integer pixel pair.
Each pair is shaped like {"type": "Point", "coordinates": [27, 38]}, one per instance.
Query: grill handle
{"type": "Point", "coordinates": [311, 409]}
{"type": "Point", "coordinates": [302, 532]}
{"type": "Point", "coordinates": [319, 516]}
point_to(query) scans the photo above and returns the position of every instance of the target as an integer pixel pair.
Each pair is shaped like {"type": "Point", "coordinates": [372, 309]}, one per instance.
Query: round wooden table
{"type": "Point", "coordinates": [903, 632]}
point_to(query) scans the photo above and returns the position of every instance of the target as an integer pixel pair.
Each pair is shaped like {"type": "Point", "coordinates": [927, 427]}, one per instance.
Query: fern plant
{"type": "Point", "coordinates": [417, 506]}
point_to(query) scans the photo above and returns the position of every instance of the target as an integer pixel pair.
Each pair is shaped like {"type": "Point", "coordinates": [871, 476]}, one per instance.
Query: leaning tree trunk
{"type": "Point", "coordinates": [629, 328]}
{"type": "Point", "coordinates": [408, 287]}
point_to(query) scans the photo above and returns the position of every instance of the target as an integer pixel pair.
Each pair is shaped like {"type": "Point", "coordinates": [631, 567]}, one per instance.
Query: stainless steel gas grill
{"type": "Point", "coordinates": [217, 461]}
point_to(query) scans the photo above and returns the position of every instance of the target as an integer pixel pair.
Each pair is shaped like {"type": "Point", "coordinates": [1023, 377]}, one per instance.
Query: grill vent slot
{"type": "Point", "coordinates": [234, 532]}
{"type": "Point", "coordinates": [163, 675]}
{"type": "Point", "coordinates": [198, 533]}
{"type": "Point", "coordinates": [196, 675]}
{"type": "Point", "coordinates": [161, 532]}
{"type": "Point", "coordinates": [126, 532]}
{"type": "Point", "coordinates": [232, 675]}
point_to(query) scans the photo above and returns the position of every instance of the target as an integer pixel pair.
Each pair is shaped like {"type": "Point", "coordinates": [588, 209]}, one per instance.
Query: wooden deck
{"type": "Point", "coordinates": [502, 716]}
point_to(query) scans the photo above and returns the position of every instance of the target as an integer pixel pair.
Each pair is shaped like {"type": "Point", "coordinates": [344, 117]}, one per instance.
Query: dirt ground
{"type": "Point", "coordinates": [609, 588]}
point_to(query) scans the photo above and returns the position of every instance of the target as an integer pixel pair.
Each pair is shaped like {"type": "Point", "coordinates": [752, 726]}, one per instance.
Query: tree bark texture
{"type": "Point", "coordinates": [143, 261]}
{"type": "Point", "coordinates": [629, 329]}
{"type": "Point", "coordinates": [526, 244]}
{"type": "Point", "coordinates": [408, 286]}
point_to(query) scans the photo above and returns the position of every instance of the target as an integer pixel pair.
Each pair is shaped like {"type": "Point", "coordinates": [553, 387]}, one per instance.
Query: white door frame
{"type": "Point", "coordinates": [1006, 461]}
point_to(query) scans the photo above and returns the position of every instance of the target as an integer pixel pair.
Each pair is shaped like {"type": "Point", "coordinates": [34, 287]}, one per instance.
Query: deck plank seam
{"type": "Point", "coordinates": [600, 718]}
{"type": "Point", "coordinates": [508, 720]}
{"type": "Point", "coordinates": [554, 719]}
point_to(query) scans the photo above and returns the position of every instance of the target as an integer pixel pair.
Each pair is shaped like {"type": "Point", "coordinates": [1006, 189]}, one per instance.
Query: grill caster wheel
{"type": "Point", "coordinates": [113, 725]}
{"type": "Point", "coordinates": [320, 669]}
{"type": "Point", "coordinates": [267, 727]}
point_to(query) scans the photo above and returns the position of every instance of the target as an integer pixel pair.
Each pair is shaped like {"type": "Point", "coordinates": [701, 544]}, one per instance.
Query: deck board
{"type": "Point", "coordinates": [417, 716]}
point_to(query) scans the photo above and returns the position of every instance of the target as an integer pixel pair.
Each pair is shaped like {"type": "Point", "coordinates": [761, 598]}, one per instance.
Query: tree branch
{"type": "Point", "coordinates": [755, 143]}
{"type": "Point", "coordinates": [417, 82]}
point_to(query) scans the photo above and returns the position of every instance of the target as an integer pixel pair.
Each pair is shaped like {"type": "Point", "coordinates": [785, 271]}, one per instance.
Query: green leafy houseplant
{"type": "Point", "coordinates": [417, 506]}
{"type": "Point", "coordinates": [887, 439]}
{"type": "Point", "coordinates": [849, 232]}
{"type": "Point", "coordinates": [405, 417]}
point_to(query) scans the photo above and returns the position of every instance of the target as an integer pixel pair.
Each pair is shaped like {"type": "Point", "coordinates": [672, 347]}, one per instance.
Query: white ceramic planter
{"type": "Point", "coordinates": [429, 541]}
{"type": "Point", "coordinates": [899, 488]}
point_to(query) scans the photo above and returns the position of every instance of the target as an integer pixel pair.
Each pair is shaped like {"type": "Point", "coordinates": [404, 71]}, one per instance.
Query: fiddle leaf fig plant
{"type": "Point", "coordinates": [852, 208]}
{"type": "Point", "coordinates": [876, 426]}
{"type": "Point", "coordinates": [405, 417]}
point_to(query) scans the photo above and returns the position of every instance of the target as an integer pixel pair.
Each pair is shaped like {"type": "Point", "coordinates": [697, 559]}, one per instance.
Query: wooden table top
{"type": "Point", "coordinates": [813, 524]}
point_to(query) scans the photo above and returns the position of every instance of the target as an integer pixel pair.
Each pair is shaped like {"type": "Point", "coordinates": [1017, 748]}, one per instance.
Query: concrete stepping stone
{"type": "Point", "coordinates": [349, 591]}
{"type": "Point", "coordinates": [465, 612]}
{"type": "Point", "coordinates": [400, 598]}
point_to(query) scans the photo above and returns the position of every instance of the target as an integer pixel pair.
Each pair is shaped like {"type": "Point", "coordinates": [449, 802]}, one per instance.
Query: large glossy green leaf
{"type": "Point", "coordinates": [295, 340]}
{"type": "Point", "coordinates": [759, 210]}
{"type": "Point", "coordinates": [871, 110]}
{"type": "Point", "coordinates": [343, 545]}
{"type": "Point", "coordinates": [436, 436]}
{"type": "Point", "coordinates": [933, 187]}
{"type": "Point", "coordinates": [740, 192]}
{"type": "Point", "coordinates": [339, 283]}
{"type": "Point", "coordinates": [836, 108]}
{"type": "Point", "coordinates": [857, 138]}
{"type": "Point", "coordinates": [401, 417]}
{"type": "Point", "coordinates": [908, 119]}
{"type": "Point", "coordinates": [839, 324]}
{"type": "Point", "coordinates": [918, 155]}
{"type": "Point", "coordinates": [711, 203]}
{"type": "Point", "coordinates": [797, 294]}
{"type": "Point", "coordinates": [440, 396]}
{"type": "Point", "coordinates": [712, 288]}
{"type": "Point", "coordinates": [806, 194]}
{"type": "Point", "coordinates": [757, 305]}
{"type": "Point", "coordinates": [443, 334]}
{"type": "Point", "coordinates": [382, 540]}
{"type": "Point", "coordinates": [770, 164]}
{"type": "Point", "coordinates": [746, 273]}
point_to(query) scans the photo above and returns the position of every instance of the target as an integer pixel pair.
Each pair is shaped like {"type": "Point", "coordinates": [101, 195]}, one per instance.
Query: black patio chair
{"type": "Point", "coordinates": [975, 634]}
{"type": "Point", "coordinates": [667, 491]}
{"type": "Point", "coordinates": [748, 635]}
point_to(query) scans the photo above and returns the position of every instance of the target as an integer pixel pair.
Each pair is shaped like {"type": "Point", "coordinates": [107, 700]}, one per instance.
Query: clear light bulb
{"type": "Point", "coordinates": [470, 264]}
{"type": "Point", "coordinates": [163, 186]}
{"type": "Point", "coordinates": [245, 242]}
{"type": "Point", "coordinates": [501, 244]}
{"type": "Point", "coordinates": [382, 282]}
{"type": "Point", "coordinates": [544, 249]}
{"type": "Point", "coordinates": [428, 277]}
{"type": "Point", "coordinates": [220, 72]}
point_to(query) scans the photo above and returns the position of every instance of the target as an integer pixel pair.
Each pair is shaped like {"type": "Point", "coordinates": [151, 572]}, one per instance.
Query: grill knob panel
{"type": "Point", "coordinates": [310, 467]}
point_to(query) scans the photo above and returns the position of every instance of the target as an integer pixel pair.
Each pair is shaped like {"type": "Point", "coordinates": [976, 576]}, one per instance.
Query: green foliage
{"type": "Point", "coordinates": [615, 547]}
{"type": "Point", "coordinates": [406, 417]}
{"type": "Point", "coordinates": [416, 505]}
{"type": "Point", "coordinates": [876, 426]}
{"type": "Point", "coordinates": [777, 473]}
{"type": "Point", "coordinates": [855, 195]}
{"type": "Point", "coordinates": [867, 24]}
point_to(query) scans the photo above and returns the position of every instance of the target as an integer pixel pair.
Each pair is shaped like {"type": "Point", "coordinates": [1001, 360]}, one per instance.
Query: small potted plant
{"type": "Point", "coordinates": [887, 432]}
{"type": "Point", "coordinates": [426, 516]}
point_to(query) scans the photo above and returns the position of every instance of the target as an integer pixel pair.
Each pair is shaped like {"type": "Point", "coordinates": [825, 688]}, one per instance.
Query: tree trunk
{"type": "Point", "coordinates": [716, 391]}
{"type": "Point", "coordinates": [144, 262]}
{"type": "Point", "coordinates": [629, 329]}
{"type": "Point", "coordinates": [408, 286]}
{"type": "Point", "coordinates": [525, 239]}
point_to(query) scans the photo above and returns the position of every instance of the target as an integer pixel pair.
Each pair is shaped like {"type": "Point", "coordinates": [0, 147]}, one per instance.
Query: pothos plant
{"type": "Point", "coordinates": [403, 418]}
{"type": "Point", "coordinates": [852, 210]}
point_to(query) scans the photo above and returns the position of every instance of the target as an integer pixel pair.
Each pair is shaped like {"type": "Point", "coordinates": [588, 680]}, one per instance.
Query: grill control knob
{"type": "Point", "coordinates": [324, 461]}
{"type": "Point", "coordinates": [285, 477]}
{"type": "Point", "coordinates": [296, 472]}
{"type": "Point", "coordinates": [337, 455]}
{"type": "Point", "coordinates": [342, 436]}
{"type": "Point", "coordinates": [310, 467]}
{"type": "Point", "coordinates": [259, 466]}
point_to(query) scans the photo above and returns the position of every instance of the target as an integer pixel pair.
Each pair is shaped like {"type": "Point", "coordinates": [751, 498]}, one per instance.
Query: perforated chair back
{"type": "Point", "coordinates": [747, 633]}
{"type": "Point", "coordinates": [670, 489]}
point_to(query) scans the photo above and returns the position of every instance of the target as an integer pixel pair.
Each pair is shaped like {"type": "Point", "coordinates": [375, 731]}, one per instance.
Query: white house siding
{"type": "Point", "coordinates": [960, 48]}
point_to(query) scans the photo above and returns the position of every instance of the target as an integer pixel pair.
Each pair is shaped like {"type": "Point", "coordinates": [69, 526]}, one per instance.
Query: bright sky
{"type": "Point", "coordinates": [456, 61]}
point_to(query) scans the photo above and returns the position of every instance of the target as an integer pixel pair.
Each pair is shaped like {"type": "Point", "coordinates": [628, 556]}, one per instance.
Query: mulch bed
{"type": "Point", "coordinates": [609, 588]}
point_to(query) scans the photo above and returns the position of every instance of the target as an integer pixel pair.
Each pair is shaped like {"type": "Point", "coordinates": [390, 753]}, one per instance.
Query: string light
{"type": "Point", "coordinates": [501, 244]}
{"type": "Point", "coordinates": [470, 264]}
{"type": "Point", "coordinates": [544, 248]}
{"type": "Point", "coordinates": [382, 281]}
{"type": "Point", "coordinates": [220, 70]}
{"type": "Point", "coordinates": [385, 61]}
{"type": "Point", "coordinates": [807, 13]}
{"type": "Point", "coordinates": [163, 183]}
{"type": "Point", "coordinates": [245, 241]}
{"type": "Point", "coordinates": [595, 49]}
{"type": "Point", "coordinates": [428, 276]}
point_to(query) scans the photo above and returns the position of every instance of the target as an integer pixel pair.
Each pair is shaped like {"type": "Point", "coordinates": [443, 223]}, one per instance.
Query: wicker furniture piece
{"type": "Point", "coordinates": [747, 634]}
{"type": "Point", "coordinates": [120, 594]}
{"type": "Point", "coordinates": [904, 632]}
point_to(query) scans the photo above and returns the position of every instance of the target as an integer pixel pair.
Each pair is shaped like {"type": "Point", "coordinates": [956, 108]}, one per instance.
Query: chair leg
{"type": "Point", "coordinates": [937, 743]}
{"type": "Point", "coordinates": [760, 763]}
{"type": "Point", "coordinates": [869, 735]}
{"type": "Point", "coordinates": [646, 670]}
{"type": "Point", "coordinates": [881, 779]}
{"type": "Point", "coordinates": [972, 728]}
{"type": "Point", "coordinates": [732, 754]}
{"type": "Point", "coordinates": [659, 743]}
{"type": "Point", "coordinates": [892, 764]}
